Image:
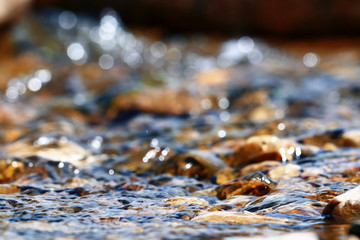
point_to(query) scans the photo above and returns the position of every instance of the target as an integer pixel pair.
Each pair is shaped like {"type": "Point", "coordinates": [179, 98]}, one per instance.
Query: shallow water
{"type": "Point", "coordinates": [104, 130]}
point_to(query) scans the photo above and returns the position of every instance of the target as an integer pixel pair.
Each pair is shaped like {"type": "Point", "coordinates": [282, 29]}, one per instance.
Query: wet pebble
{"type": "Point", "coordinates": [238, 218]}
{"type": "Point", "coordinates": [345, 207]}
{"type": "Point", "coordinates": [253, 184]}
{"type": "Point", "coordinates": [285, 171]}
{"type": "Point", "coordinates": [261, 148]}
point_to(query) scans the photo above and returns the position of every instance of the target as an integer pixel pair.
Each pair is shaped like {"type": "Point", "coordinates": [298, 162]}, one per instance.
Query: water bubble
{"type": "Point", "coordinates": [76, 52]}
{"type": "Point", "coordinates": [297, 152]}
{"type": "Point", "coordinates": [150, 154]}
{"type": "Point", "coordinates": [42, 141]}
{"type": "Point", "coordinates": [173, 55]}
{"type": "Point", "coordinates": [165, 151]}
{"type": "Point", "coordinates": [223, 103]}
{"type": "Point", "coordinates": [255, 56]}
{"type": "Point", "coordinates": [281, 126]}
{"type": "Point", "coordinates": [12, 93]}
{"type": "Point", "coordinates": [154, 142]}
{"type": "Point", "coordinates": [76, 171]}
{"type": "Point", "coordinates": [20, 86]}
{"type": "Point", "coordinates": [67, 20]}
{"type": "Point", "coordinates": [61, 165]}
{"type": "Point", "coordinates": [221, 133]}
{"type": "Point", "coordinates": [34, 84]}
{"type": "Point", "coordinates": [96, 142]}
{"type": "Point", "coordinates": [106, 61]}
{"type": "Point", "coordinates": [44, 75]}
{"type": "Point", "coordinates": [245, 44]}
{"type": "Point", "coordinates": [283, 155]}
{"type": "Point", "coordinates": [224, 116]}
{"type": "Point", "coordinates": [188, 165]}
{"type": "Point", "coordinates": [111, 172]}
{"type": "Point", "coordinates": [15, 164]}
{"type": "Point", "coordinates": [310, 60]}
{"type": "Point", "coordinates": [108, 27]}
{"type": "Point", "coordinates": [158, 49]}
{"type": "Point", "coordinates": [107, 45]}
{"type": "Point", "coordinates": [133, 59]}
{"type": "Point", "coordinates": [291, 150]}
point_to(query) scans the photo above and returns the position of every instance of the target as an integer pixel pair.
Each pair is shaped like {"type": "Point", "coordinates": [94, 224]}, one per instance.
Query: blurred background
{"type": "Point", "coordinates": [271, 18]}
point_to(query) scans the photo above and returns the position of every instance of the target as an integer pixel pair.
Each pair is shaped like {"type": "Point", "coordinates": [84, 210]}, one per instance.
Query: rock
{"type": "Point", "coordinates": [238, 218]}
{"type": "Point", "coordinates": [345, 207]}
{"type": "Point", "coordinates": [261, 148]}
{"type": "Point", "coordinates": [186, 201]}
{"type": "Point", "coordinates": [145, 160]}
{"type": "Point", "coordinates": [261, 166]}
{"type": "Point", "coordinates": [285, 171]}
{"type": "Point", "coordinates": [9, 189]}
{"type": "Point", "coordinates": [335, 137]}
{"type": "Point", "coordinates": [157, 100]}
{"type": "Point", "coordinates": [55, 149]}
{"type": "Point", "coordinates": [9, 10]}
{"type": "Point", "coordinates": [198, 164]}
{"type": "Point", "coordinates": [254, 184]}
{"type": "Point", "coordinates": [11, 170]}
{"type": "Point", "coordinates": [225, 174]}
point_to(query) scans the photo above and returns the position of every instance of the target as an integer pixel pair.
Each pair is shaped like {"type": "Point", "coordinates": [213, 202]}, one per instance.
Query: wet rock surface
{"type": "Point", "coordinates": [120, 136]}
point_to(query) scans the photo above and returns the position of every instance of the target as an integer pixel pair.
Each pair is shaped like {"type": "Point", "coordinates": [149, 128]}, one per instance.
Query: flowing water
{"type": "Point", "coordinates": [107, 133]}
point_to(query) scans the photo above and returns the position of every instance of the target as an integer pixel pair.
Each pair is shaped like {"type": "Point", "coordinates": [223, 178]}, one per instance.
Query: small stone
{"type": "Point", "coordinates": [261, 166]}
{"type": "Point", "coordinates": [9, 189]}
{"type": "Point", "coordinates": [334, 138]}
{"type": "Point", "coordinates": [156, 100]}
{"type": "Point", "coordinates": [254, 184]}
{"type": "Point", "coordinates": [225, 174]}
{"type": "Point", "coordinates": [238, 218]}
{"type": "Point", "coordinates": [11, 170]}
{"type": "Point", "coordinates": [187, 201]}
{"type": "Point", "coordinates": [60, 150]}
{"type": "Point", "coordinates": [197, 164]}
{"type": "Point", "coordinates": [345, 207]}
{"type": "Point", "coordinates": [261, 148]}
{"type": "Point", "coordinates": [285, 171]}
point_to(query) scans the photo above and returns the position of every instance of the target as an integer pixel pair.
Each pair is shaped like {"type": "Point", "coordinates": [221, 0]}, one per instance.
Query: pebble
{"type": "Point", "coordinates": [261, 148]}
{"type": "Point", "coordinates": [239, 218]}
{"type": "Point", "coordinates": [285, 171]}
{"type": "Point", "coordinates": [345, 207]}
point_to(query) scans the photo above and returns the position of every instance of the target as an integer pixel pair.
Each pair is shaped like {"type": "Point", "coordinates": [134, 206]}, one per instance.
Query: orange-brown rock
{"type": "Point", "coordinates": [238, 218]}
{"type": "Point", "coordinates": [261, 148]}
{"type": "Point", "coordinates": [197, 164]}
{"type": "Point", "coordinates": [159, 101]}
{"type": "Point", "coordinates": [255, 184]}
{"type": "Point", "coordinates": [334, 138]}
{"type": "Point", "coordinates": [345, 207]}
{"type": "Point", "coordinates": [10, 170]}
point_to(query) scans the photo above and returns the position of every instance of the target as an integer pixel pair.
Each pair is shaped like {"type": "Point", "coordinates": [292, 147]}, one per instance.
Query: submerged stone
{"type": "Point", "coordinates": [239, 218]}
{"type": "Point", "coordinates": [345, 207]}
{"type": "Point", "coordinates": [197, 164]}
{"type": "Point", "coordinates": [261, 148]}
{"type": "Point", "coordinates": [253, 184]}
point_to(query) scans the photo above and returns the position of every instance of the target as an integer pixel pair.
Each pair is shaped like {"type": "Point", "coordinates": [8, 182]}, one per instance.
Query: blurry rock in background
{"type": "Point", "coordinates": [294, 18]}
{"type": "Point", "coordinates": [11, 9]}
